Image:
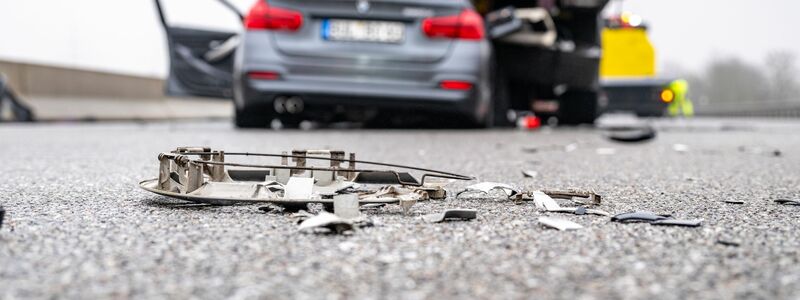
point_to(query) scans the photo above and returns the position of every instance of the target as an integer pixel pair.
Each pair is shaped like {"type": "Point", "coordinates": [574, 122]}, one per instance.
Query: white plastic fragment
{"type": "Point", "coordinates": [606, 151]}
{"type": "Point", "coordinates": [489, 186]}
{"type": "Point", "coordinates": [544, 201]}
{"type": "Point", "coordinates": [559, 224]}
{"type": "Point", "coordinates": [326, 220]}
{"type": "Point", "coordinates": [299, 188]}
{"type": "Point", "coordinates": [680, 148]}
{"type": "Point", "coordinates": [346, 206]}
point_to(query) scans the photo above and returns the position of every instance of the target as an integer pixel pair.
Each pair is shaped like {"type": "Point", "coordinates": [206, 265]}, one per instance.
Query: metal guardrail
{"type": "Point", "coordinates": [770, 108]}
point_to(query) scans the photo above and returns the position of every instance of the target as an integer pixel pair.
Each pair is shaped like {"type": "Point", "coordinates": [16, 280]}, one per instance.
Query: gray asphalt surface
{"type": "Point", "coordinates": [79, 227]}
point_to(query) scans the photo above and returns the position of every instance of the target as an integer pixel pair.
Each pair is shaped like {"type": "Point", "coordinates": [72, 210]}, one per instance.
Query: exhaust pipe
{"type": "Point", "coordinates": [294, 105]}
{"type": "Point", "coordinates": [279, 104]}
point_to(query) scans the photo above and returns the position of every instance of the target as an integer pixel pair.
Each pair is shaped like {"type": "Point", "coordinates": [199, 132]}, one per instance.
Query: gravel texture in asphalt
{"type": "Point", "coordinates": [78, 226]}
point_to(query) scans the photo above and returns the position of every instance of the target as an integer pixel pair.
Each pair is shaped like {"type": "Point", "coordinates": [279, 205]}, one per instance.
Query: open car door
{"type": "Point", "coordinates": [201, 61]}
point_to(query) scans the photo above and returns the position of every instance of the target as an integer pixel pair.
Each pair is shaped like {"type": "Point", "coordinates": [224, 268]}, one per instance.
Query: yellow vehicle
{"type": "Point", "coordinates": [628, 73]}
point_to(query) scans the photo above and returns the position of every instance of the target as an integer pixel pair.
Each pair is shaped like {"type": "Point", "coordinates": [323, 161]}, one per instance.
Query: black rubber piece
{"type": "Point", "coordinates": [788, 201]}
{"type": "Point", "coordinates": [632, 135]}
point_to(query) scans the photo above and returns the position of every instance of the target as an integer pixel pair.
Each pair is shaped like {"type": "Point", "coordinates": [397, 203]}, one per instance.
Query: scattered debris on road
{"type": "Point", "coordinates": [2, 215]}
{"type": "Point", "coordinates": [733, 201]}
{"type": "Point", "coordinates": [788, 201]}
{"type": "Point", "coordinates": [530, 174]}
{"type": "Point", "coordinates": [451, 214]}
{"type": "Point", "coordinates": [559, 224]}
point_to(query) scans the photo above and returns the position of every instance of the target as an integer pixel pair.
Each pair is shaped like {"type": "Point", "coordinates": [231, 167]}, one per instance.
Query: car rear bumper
{"type": "Point", "coordinates": [341, 96]}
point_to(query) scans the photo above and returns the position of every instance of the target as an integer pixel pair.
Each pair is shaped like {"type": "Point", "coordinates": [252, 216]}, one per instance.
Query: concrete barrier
{"type": "Point", "coordinates": [59, 93]}
{"type": "Point", "coordinates": [41, 80]}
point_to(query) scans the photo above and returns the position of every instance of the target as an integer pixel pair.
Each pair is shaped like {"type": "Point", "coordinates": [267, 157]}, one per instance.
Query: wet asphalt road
{"type": "Point", "coordinates": [79, 227]}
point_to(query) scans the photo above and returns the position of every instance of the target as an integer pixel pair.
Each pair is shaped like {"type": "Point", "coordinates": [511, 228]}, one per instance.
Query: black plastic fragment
{"type": "Point", "coordinates": [2, 215]}
{"type": "Point", "coordinates": [674, 222]}
{"type": "Point", "coordinates": [788, 201]}
{"type": "Point", "coordinates": [631, 134]}
{"type": "Point", "coordinates": [728, 243]}
{"type": "Point", "coordinates": [733, 201]}
{"type": "Point", "coordinates": [379, 177]}
{"type": "Point", "coordinates": [638, 216]}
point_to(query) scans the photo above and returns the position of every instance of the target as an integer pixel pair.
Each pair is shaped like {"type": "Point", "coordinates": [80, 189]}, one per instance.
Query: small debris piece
{"type": "Point", "coordinates": [2, 215]}
{"type": "Point", "coordinates": [606, 151]}
{"type": "Point", "coordinates": [631, 134]}
{"type": "Point", "coordinates": [543, 201]}
{"type": "Point", "coordinates": [591, 198]}
{"type": "Point", "coordinates": [372, 206]}
{"type": "Point", "coordinates": [299, 188]}
{"type": "Point", "coordinates": [329, 221]}
{"type": "Point", "coordinates": [346, 206]}
{"type": "Point", "coordinates": [486, 187]}
{"type": "Point", "coordinates": [788, 201]}
{"type": "Point", "coordinates": [728, 243]}
{"type": "Point", "coordinates": [733, 201]}
{"type": "Point", "coordinates": [559, 224]}
{"type": "Point", "coordinates": [638, 216]}
{"type": "Point", "coordinates": [571, 147]}
{"type": "Point", "coordinates": [271, 209]}
{"type": "Point", "coordinates": [680, 148]}
{"type": "Point", "coordinates": [674, 222]}
{"type": "Point", "coordinates": [580, 210]}
{"type": "Point", "coordinates": [530, 174]}
{"type": "Point", "coordinates": [757, 150]}
{"type": "Point", "coordinates": [460, 214]}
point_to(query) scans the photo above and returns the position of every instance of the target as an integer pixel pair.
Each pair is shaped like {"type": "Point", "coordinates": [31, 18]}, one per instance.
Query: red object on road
{"type": "Point", "coordinates": [529, 122]}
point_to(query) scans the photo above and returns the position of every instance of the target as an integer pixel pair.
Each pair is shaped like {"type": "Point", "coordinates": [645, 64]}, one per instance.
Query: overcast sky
{"type": "Point", "coordinates": [125, 36]}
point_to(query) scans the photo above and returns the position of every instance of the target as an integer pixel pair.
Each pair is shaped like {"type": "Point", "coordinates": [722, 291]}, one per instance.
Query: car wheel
{"type": "Point", "coordinates": [251, 118]}
{"type": "Point", "coordinates": [577, 107]}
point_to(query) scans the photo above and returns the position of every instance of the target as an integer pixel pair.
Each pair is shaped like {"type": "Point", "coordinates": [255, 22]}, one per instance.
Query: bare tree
{"type": "Point", "coordinates": [783, 75]}
{"type": "Point", "coordinates": [732, 80]}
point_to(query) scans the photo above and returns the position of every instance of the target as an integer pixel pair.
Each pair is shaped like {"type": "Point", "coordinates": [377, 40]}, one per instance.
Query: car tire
{"type": "Point", "coordinates": [251, 118]}
{"type": "Point", "coordinates": [499, 102]}
{"type": "Point", "coordinates": [578, 107]}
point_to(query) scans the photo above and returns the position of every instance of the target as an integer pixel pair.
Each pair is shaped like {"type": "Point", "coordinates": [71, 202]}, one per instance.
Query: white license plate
{"type": "Point", "coordinates": [363, 31]}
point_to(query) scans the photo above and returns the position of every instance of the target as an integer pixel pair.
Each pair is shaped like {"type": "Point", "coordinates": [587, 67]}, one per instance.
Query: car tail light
{"type": "Point", "coordinates": [467, 25]}
{"type": "Point", "coordinates": [264, 75]}
{"type": "Point", "coordinates": [455, 85]}
{"type": "Point", "coordinates": [262, 16]}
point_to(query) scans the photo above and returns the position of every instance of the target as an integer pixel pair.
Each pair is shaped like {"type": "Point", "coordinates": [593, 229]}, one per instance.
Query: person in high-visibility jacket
{"type": "Point", "coordinates": [677, 96]}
